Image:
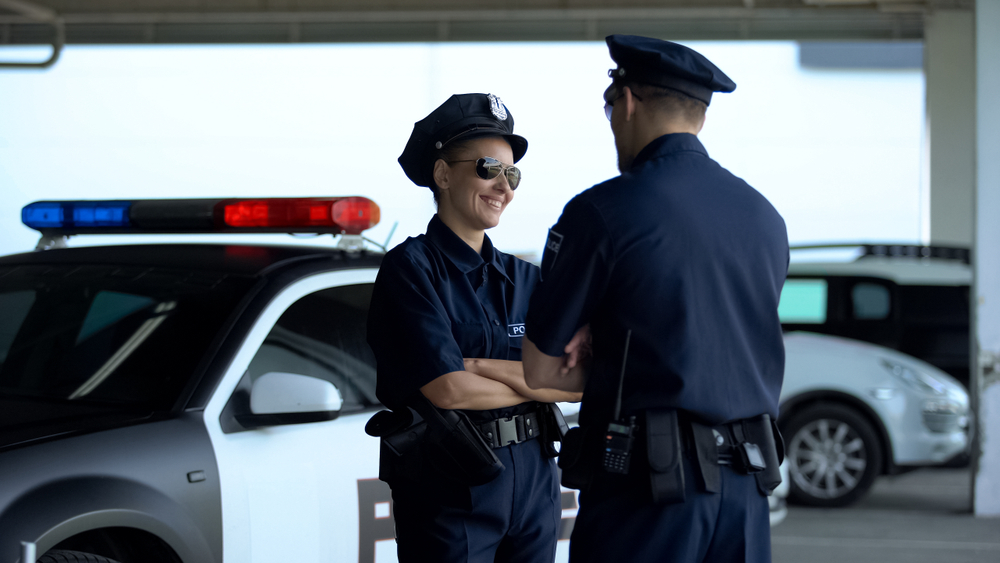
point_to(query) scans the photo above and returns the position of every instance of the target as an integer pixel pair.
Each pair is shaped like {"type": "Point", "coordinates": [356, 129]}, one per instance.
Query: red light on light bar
{"type": "Point", "coordinates": [351, 215]}
{"type": "Point", "coordinates": [355, 214]}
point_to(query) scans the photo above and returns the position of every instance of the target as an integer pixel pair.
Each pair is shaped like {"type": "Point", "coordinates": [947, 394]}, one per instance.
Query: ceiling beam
{"type": "Point", "coordinates": [468, 25]}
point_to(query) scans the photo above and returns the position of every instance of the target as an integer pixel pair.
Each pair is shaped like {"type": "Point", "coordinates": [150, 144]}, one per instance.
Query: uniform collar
{"type": "Point", "coordinates": [460, 253]}
{"type": "Point", "coordinates": [668, 144]}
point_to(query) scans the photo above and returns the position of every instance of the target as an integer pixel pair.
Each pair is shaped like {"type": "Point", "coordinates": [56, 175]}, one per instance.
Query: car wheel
{"type": "Point", "coordinates": [833, 455]}
{"type": "Point", "coordinates": [63, 556]}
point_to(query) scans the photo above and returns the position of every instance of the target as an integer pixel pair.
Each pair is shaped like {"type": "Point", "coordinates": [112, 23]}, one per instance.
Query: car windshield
{"type": "Point", "coordinates": [75, 339]}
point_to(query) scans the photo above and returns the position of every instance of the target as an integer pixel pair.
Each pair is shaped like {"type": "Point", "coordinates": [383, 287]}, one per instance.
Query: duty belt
{"type": "Point", "coordinates": [510, 430]}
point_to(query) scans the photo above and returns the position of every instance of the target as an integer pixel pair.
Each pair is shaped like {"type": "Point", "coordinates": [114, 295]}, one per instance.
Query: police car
{"type": "Point", "coordinates": [192, 402]}
{"type": "Point", "coordinates": [853, 404]}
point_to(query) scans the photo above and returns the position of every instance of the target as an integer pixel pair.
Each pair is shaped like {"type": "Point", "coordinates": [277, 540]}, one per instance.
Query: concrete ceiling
{"type": "Point", "coordinates": [292, 21]}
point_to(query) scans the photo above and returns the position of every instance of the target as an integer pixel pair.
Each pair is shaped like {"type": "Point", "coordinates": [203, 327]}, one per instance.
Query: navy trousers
{"type": "Point", "coordinates": [514, 518]}
{"type": "Point", "coordinates": [618, 521]}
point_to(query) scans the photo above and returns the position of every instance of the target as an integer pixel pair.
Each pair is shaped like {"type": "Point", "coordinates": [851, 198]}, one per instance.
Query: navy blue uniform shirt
{"type": "Point", "coordinates": [692, 260]}
{"type": "Point", "coordinates": [437, 301]}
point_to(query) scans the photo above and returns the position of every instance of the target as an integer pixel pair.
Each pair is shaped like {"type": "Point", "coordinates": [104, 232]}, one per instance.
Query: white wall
{"type": "Point", "coordinates": [838, 152]}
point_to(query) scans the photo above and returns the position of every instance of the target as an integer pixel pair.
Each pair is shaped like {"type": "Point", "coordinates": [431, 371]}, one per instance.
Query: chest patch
{"type": "Point", "coordinates": [515, 330]}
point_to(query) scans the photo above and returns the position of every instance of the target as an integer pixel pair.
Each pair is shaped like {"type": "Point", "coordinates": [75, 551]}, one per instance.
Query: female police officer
{"type": "Point", "coordinates": [446, 324]}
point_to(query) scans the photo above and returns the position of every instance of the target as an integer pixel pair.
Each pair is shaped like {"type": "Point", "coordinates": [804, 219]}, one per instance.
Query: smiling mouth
{"type": "Point", "coordinates": [493, 203]}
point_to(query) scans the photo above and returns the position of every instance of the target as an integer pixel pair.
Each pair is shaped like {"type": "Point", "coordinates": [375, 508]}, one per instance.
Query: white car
{"type": "Point", "coordinates": [851, 411]}
{"type": "Point", "coordinates": [863, 404]}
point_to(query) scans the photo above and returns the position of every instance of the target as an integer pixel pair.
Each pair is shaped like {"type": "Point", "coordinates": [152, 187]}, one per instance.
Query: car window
{"type": "Point", "coordinates": [870, 301]}
{"type": "Point", "coordinates": [15, 306]}
{"type": "Point", "coordinates": [324, 335]}
{"type": "Point", "coordinates": [123, 338]}
{"type": "Point", "coordinates": [935, 305]}
{"type": "Point", "coordinates": [803, 301]}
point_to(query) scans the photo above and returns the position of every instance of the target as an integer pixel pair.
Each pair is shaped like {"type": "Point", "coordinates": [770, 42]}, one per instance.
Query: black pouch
{"type": "Point", "coordinates": [453, 446]}
{"type": "Point", "coordinates": [401, 434]}
{"type": "Point", "coordinates": [577, 458]}
{"type": "Point", "coordinates": [759, 430]}
{"type": "Point", "coordinates": [553, 428]}
{"type": "Point", "coordinates": [663, 448]}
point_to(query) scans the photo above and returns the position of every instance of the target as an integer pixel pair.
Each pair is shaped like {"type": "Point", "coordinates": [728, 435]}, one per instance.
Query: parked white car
{"type": "Point", "coordinates": [851, 411]}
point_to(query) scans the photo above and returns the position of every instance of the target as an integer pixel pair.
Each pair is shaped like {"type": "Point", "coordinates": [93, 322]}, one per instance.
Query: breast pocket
{"type": "Point", "coordinates": [471, 339]}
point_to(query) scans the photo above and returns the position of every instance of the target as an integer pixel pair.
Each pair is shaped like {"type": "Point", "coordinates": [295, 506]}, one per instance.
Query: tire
{"type": "Point", "coordinates": [833, 455]}
{"type": "Point", "coordinates": [64, 556]}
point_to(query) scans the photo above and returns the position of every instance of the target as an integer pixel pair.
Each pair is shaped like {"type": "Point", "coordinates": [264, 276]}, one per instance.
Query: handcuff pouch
{"type": "Point", "coordinates": [663, 449]}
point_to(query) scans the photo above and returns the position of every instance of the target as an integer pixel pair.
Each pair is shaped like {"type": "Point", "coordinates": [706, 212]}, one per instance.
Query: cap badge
{"type": "Point", "coordinates": [497, 107]}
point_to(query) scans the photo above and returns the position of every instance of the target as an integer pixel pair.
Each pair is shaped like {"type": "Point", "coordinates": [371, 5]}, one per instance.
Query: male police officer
{"type": "Point", "coordinates": [675, 268]}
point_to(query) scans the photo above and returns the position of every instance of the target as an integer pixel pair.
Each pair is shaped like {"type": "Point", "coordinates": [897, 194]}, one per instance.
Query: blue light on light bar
{"type": "Point", "coordinates": [101, 214]}
{"type": "Point", "coordinates": [76, 214]}
{"type": "Point", "coordinates": [43, 215]}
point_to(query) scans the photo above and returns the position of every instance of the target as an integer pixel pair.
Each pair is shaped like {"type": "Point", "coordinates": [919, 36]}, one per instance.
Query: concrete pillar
{"type": "Point", "coordinates": [949, 67]}
{"type": "Point", "coordinates": [986, 260]}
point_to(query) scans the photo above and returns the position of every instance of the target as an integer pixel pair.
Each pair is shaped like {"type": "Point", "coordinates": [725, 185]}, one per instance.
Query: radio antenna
{"type": "Point", "coordinates": [621, 378]}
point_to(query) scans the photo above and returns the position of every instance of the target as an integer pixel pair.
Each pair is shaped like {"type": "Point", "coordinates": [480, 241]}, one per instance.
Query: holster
{"type": "Point", "coordinates": [553, 428]}
{"type": "Point", "coordinates": [663, 449]}
{"type": "Point", "coordinates": [423, 436]}
{"type": "Point", "coordinates": [454, 447]}
{"type": "Point", "coordinates": [401, 436]}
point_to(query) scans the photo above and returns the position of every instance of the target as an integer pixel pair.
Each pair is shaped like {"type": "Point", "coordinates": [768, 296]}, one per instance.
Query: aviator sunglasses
{"type": "Point", "coordinates": [488, 168]}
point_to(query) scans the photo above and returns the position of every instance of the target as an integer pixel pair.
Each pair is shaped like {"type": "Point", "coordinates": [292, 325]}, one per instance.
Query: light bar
{"type": "Point", "coordinates": [336, 215]}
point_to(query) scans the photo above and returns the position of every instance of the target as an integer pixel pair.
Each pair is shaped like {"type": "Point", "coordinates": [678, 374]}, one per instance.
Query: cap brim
{"type": "Point", "coordinates": [518, 144]}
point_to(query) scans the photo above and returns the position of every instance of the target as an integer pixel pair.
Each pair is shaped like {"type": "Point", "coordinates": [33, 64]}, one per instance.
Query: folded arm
{"type": "Point", "coordinates": [467, 390]}
{"type": "Point", "coordinates": [511, 374]}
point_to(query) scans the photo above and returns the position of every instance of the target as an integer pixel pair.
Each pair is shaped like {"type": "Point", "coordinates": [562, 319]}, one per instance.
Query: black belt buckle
{"type": "Point", "coordinates": [512, 430]}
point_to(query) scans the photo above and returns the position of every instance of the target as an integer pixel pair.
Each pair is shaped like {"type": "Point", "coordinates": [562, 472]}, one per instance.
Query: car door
{"type": "Point", "coordinates": [305, 492]}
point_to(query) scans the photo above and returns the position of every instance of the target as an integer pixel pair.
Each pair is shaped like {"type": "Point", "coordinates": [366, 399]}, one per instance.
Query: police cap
{"type": "Point", "coordinates": [668, 65]}
{"type": "Point", "coordinates": [461, 117]}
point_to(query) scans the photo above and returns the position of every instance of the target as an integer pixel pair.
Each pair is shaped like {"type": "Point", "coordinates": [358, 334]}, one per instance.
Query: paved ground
{"type": "Point", "coordinates": [923, 516]}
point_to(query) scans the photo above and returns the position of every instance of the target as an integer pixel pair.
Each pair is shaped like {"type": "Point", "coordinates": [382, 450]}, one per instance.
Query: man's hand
{"type": "Point", "coordinates": [542, 371]}
{"type": "Point", "coordinates": [578, 349]}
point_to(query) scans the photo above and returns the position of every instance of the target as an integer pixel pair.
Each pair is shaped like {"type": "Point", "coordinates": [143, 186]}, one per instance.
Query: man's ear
{"type": "Point", "coordinates": [629, 98]}
{"type": "Point", "coordinates": [442, 174]}
{"type": "Point", "coordinates": [701, 124]}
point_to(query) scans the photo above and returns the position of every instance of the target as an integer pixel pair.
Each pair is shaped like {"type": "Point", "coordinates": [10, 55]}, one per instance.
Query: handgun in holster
{"type": "Point", "coordinates": [454, 447]}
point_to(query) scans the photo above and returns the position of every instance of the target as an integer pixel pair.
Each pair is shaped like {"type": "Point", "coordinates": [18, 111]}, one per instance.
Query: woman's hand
{"type": "Point", "coordinates": [467, 390]}
{"type": "Point", "coordinates": [511, 374]}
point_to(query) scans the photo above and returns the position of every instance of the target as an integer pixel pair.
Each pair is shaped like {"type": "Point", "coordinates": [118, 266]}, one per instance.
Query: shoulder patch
{"type": "Point", "coordinates": [552, 246]}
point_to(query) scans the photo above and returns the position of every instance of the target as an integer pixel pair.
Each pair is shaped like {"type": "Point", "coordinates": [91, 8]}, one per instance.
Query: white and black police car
{"type": "Point", "coordinates": [195, 403]}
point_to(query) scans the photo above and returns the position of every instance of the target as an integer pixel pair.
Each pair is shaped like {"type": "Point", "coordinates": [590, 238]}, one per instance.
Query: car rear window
{"type": "Point", "coordinates": [118, 337]}
{"type": "Point", "coordinates": [803, 301]}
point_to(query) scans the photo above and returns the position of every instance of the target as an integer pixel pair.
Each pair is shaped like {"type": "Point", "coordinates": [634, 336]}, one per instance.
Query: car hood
{"type": "Point", "coordinates": [25, 420]}
{"type": "Point", "coordinates": [802, 348]}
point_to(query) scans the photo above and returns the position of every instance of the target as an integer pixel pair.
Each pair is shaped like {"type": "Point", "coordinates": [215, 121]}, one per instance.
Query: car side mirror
{"type": "Point", "coordinates": [287, 398]}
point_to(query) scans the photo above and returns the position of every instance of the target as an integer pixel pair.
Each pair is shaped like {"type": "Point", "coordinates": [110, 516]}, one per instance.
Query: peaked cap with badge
{"type": "Point", "coordinates": [665, 64]}
{"type": "Point", "coordinates": [460, 117]}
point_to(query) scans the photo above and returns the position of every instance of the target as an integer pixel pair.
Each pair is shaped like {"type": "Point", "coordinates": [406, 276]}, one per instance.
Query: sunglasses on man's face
{"type": "Point", "coordinates": [611, 95]}
{"type": "Point", "coordinates": [488, 168]}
